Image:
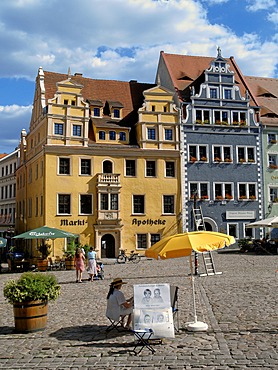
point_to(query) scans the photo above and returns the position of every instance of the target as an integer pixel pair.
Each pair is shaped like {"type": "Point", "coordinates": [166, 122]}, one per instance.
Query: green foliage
{"type": "Point", "coordinates": [32, 286]}
{"type": "Point", "coordinates": [45, 250]}
{"type": "Point", "coordinates": [71, 249]}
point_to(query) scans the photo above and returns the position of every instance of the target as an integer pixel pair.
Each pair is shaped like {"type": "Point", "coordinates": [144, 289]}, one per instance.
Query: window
{"type": "Point", "coordinates": [168, 204]}
{"type": "Point", "coordinates": [58, 129]}
{"type": "Point", "coordinates": [107, 167]}
{"type": "Point", "coordinates": [155, 238]}
{"type": "Point", "coordinates": [153, 108]}
{"type": "Point", "coordinates": [213, 93]}
{"type": "Point", "coordinates": [168, 134]}
{"type": "Point", "coordinates": [198, 153]}
{"type": "Point", "coordinates": [122, 136]}
{"type": "Point", "coordinates": [272, 161]}
{"type": "Point", "coordinates": [116, 113]}
{"type": "Point", "coordinates": [199, 189]}
{"type": "Point", "coordinates": [271, 139]}
{"type": "Point", "coordinates": [85, 166]}
{"type": "Point", "coordinates": [245, 154]}
{"type": "Point", "coordinates": [112, 135]}
{"type": "Point", "coordinates": [101, 135]}
{"type": "Point", "coordinates": [86, 204]}
{"type": "Point", "coordinates": [222, 153]}
{"type": "Point", "coordinates": [130, 167]}
{"type": "Point", "coordinates": [76, 130]}
{"type": "Point", "coordinates": [227, 94]}
{"type": "Point", "coordinates": [170, 169]}
{"type": "Point", "coordinates": [64, 204]}
{"type": "Point", "coordinates": [233, 230]}
{"type": "Point", "coordinates": [73, 102]}
{"type": "Point", "coordinates": [66, 102]}
{"type": "Point", "coordinates": [138, 204]}
{"type": "Point", "coordinates": [151, 134]}
{"type": "Point", "coordinates": [249, 232]}
{"type": "Point", "coordinates": [202, 116]}
{"type": "Point", "coordinates": [223, 191]}
{"type": "Point", "coordinates": [150, 168]}
{"type": "Point", "coordinates": [96, 112]}
{"type": "Point", "coordinates": [64, 166]}
{"type": "Point", "coordinates": [141, 241]}
{"type": "Point", "coordinates": [273, 194]}
{"type": "Point", "coordinates": [109, 202]}
{"type": "Point", "coordinates": [29, 207]}
{"type": "Point", "coordinates": [247, 191]}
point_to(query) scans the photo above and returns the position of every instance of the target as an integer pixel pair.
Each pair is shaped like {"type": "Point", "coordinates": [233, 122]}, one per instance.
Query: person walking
{"type": "Point", "coordinates": [92, 263]}
{"type": "Point", "coordinates": [79, 264]}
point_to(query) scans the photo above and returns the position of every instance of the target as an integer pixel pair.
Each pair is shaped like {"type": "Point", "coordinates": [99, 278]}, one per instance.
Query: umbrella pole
{"type": "Point", "coordinates": [196, 325]}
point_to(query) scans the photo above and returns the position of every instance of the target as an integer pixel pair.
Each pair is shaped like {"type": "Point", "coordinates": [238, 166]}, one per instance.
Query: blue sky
{"type": "Point", "coordinates": [121, 40]}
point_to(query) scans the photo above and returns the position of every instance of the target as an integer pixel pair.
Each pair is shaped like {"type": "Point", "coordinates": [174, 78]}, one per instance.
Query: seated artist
{"type": "Point", "coordinates": [117, 305]}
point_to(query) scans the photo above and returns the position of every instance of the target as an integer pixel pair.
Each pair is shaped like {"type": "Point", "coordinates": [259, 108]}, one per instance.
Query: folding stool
{"type": "Point", "coordinates": [141, 341]}
{"type": "Point", "coordinates": [114, 324]}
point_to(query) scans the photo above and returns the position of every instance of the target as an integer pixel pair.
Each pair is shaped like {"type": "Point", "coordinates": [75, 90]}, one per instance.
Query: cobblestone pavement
{"type": "Point", "coordinates": [240, 307]}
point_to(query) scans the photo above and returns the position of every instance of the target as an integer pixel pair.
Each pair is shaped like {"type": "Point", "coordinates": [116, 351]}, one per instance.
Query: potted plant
{"type": "Point", "coordinates": [45, 251]}
{"type": "Point", "coordinates": [69, 255]}
{"type": "Point", "coordinates": [29, 296]}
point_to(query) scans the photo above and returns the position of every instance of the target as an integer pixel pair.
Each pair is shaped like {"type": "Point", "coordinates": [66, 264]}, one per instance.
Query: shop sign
{"type": "Point", "coordinates": [149, 221]}
{"type": "Point", "coordinates": [66, 222]}
{"type": "Point", "coordinates": [240, 215]}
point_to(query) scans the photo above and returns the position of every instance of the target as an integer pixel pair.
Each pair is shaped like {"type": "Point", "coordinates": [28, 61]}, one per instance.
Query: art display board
{"type": "Point", "coordinates": [152, 309]}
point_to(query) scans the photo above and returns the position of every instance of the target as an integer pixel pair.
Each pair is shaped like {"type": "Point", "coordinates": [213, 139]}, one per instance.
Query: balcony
{"type": "Point", "coordinates": [110, 217]}
{"type": "Point", "coordinates": [108, 179]}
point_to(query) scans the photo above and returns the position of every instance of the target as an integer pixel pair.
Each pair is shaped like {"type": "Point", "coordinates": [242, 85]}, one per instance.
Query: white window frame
{"type": "Point", "coordinates": [272, 160]}
{"type": "Point", "coordinates": [252, 229]}
{"type": "Point", "coordinates": [174, 201]}
{"type": "Point", "coordinates": [271, 138]}
{"type": "Point", "coordinates": [247, 190]}
{"type": "Point", "coordinates": [198, 156]}
{"type": "Point", "coordinates": [199, 183]}
{"type": "Point", "coordinates": [246, 159]}
{"type": "Point", "coordinates": [223, 190]}
{"type": "Point", "coordinates": [66, 214]}
{"type": "Point", "coordinates": [222, 158]}
{"type": "Point", "coordinates": [92, 211]}
{"type": "Point", "coordinates": [237, 228]}
{"type": "Point", "coordinates": [85, 174]}
{"type": "Point", "coordinates": [272, 198]}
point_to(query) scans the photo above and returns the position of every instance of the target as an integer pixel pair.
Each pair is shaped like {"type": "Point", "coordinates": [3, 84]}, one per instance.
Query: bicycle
{"type": "Point", "coordinates": [133, 257]}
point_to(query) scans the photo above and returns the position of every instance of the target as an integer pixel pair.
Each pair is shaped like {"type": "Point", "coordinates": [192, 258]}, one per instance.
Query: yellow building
{"type": "Point", "coordinates": [101, 160]}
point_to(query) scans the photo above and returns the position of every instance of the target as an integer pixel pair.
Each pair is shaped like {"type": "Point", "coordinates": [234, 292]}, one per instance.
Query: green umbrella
{"type": "Point", "coordinates": [3, 242]}
{"type": "Point", "coordinates": [45, 232]}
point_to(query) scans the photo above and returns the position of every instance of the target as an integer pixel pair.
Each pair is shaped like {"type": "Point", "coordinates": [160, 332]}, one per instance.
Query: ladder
{"type": "Point", "coordinates": [207, 256]}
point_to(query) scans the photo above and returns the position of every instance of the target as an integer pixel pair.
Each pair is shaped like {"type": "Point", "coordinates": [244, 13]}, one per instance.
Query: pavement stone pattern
{"type": "Point", "coordinates": [240, 307]}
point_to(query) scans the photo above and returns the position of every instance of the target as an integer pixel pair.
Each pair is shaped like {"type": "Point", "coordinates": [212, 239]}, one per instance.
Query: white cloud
{"type": "Point", "coordinates": [13, 118]}
{"type": "Point", "coordinates": [273, 17]}
{"type": "Point", "coordinates": [119, 39]}
{"type": "Point", "coordinates": [255, 5]}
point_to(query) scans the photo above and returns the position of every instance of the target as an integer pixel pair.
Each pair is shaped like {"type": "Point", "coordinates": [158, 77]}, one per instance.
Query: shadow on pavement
{"type": "Point", "coordinates": [86, 333]}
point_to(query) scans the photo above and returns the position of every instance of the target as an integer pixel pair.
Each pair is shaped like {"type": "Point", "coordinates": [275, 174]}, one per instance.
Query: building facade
{"type": "Point", "coordinates": [102, 160]}
{"type": "Point", "coordinates": [8, 166]}
{"type": "Point", "coordinates": [221, 142]}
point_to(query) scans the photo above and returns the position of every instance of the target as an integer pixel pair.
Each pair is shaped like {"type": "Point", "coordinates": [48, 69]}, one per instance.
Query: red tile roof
{"type": "Point", "coordinates": [127, 93]}
{"type": "Point", "coordinates": [266, 92]}
{"type": "Point", "coordinates": [184, 69]}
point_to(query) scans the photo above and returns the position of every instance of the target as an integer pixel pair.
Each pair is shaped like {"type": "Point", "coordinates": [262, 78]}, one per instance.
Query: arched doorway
{"type": "Point", "coordinates": [210, 224]}
{"type": "Point", "coordinates": [108, 246]}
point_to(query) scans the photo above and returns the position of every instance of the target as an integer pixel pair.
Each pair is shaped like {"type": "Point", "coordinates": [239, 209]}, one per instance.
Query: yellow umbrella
{"type": "Point", "coordinates": [182, 245]}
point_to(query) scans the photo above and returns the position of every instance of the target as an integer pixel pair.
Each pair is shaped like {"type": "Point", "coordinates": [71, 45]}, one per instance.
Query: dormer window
{"type": "Point", "coordinates": [116, 113]}
{"type": "Point", "coordinates": [101, 135]}
{"type": "Point", "coordinates": [96, 112]}
{"type": "Point", "coordinates": [122, 136]}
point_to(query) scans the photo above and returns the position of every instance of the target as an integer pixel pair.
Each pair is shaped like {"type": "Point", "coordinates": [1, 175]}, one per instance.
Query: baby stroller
{"type": "Point", "coordinates": [100, 271]}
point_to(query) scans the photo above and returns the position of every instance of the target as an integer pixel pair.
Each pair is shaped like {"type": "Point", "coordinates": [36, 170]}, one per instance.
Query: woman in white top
{"type": "Point", "coordinates": [117, 305]}
{"type": "Point", "coordinates": [92, 264]}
